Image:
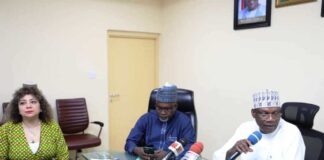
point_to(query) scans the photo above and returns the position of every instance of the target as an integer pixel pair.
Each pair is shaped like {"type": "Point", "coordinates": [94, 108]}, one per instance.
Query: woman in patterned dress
{"type": "Point", "coordinates": [30, 131]}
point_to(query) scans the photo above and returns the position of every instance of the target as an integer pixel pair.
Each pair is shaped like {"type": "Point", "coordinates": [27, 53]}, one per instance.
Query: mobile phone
{"type": "Point", "coordinates": [149, 150]}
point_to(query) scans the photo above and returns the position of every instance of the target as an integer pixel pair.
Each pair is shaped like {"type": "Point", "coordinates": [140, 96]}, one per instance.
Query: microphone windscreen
{"type": "Point", "coordinates": [177, 147]}
{"type": "Point", "coordinates": [197, 147]}
{"type": "Point", "coordinates": [255, 137]}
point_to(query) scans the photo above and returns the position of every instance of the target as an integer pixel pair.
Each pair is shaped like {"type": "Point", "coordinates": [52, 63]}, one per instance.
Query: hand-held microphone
{"type": "Point", "coordinates": [175, 149]}
{"type": "Point", "coordinates": [254, 138]}
{"type": "Point", "coordinates": [194, 152]}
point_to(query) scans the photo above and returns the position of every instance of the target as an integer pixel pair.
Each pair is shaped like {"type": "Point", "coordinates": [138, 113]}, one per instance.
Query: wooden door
{"type": "Point", "coordinates": [132, 74]}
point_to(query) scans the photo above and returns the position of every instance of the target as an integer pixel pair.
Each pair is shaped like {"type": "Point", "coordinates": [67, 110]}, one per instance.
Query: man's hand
{"type": "Point", "coordinates": [242, 146]}
{"type": "Point", "coordinates": [159, 154]}
{"type": "Point", "coordinates": [140, 152]}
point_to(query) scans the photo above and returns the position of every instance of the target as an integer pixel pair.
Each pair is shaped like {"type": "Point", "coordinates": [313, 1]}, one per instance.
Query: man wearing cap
{"type": "Point", "coordinates": [280, 139]}
{"type": "Point", "coordinates": [253, 9]}
{"type": "Point", "coordinates": [161, 127]}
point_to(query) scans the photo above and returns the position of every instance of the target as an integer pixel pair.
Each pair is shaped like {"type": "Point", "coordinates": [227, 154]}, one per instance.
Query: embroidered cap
{"type": "Point", "coordinates": [266, 98]}
{"type": "Point", "coordinates": [167, 93]}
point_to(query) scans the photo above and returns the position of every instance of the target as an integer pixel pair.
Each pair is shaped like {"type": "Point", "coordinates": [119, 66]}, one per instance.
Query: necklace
{"type": "Point", "coordinates": [32, 132]}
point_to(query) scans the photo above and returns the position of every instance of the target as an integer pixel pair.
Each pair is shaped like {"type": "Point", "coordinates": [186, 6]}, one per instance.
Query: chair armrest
{"type": "Point", "coordinates": [101, 124]}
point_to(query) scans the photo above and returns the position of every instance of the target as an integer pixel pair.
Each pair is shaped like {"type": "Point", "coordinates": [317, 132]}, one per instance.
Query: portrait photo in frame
{"type": "Point", "coordinates": [282, 3]}
{"type": "Point", "coordinates": [252, 14]}
{"type": "Point", "coordinates": [322, 10]}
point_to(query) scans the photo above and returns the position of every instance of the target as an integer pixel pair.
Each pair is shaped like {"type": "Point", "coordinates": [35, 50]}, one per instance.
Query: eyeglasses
{"type": "Point", "coordinates": [167, 109]}
{"type": "Point", "coordinates": [266, 115]}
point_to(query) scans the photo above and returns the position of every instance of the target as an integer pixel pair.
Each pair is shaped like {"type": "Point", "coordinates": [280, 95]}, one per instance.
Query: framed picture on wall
{"type": "Point", "coordinates": [252, 13]}
{"type": "Point", "coordinates": [281, 3]}
{"type": "Point", "coordinates": [322, 12]}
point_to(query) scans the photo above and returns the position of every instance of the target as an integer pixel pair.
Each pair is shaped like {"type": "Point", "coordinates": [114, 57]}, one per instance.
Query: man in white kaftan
{"type": "Point", "coordinates": [280, 139]}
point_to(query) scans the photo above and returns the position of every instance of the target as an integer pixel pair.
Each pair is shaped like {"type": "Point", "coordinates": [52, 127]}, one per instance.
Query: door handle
{"type": "Point", "coordinates": [114, 95]}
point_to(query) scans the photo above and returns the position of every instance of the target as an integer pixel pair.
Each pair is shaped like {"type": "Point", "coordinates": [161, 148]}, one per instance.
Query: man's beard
{"type": "Point", "coordinates": [163, 120]}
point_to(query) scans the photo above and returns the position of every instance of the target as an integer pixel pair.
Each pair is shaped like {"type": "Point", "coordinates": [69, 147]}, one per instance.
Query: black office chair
{"type": "Point", "coordinates": [185, 104]}
{"type": "Point", "coordinates": [302, 115]}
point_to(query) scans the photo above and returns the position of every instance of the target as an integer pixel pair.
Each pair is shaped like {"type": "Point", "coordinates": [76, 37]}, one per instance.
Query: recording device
{"type": "Point", "coordinates": [175, 149]}
{"type": "Point", "coordinates": [254, 138]}
{"type": "Point", "coordinates": [149, 150]}
{"type": "Point", "coordinates": [194, 152]}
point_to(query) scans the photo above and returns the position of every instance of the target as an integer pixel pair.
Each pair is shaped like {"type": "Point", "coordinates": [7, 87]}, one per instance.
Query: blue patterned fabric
{"type": "Point", "coordinates": [160, 134]}
{"type": "Point", "coordinates": [167, 94]}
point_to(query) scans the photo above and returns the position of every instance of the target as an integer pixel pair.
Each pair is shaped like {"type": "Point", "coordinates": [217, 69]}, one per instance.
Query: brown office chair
{"type": "Point", "coordinates": [302, 115]}
{"type": "Point", "coordinates": [4, 107]}
{"type": "Point", "coordinates": [73, 119]}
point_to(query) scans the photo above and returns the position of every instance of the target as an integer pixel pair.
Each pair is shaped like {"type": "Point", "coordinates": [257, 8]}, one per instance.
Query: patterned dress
{"type": "Point", "coordinates": [14, 145]}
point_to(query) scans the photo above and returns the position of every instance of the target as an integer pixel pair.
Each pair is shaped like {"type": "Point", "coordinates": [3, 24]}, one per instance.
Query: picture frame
{"type": "Point", "coordinates": [322, 10]}
{"type": "Point", "coordinates": [282, 3]}
{"type": "Point", "coordinates": [252, 14]}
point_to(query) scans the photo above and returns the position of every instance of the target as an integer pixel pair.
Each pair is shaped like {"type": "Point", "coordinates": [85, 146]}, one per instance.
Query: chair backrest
{"type": "Point", "coordinates": [185, 101]}
{"type": "Point", "coordinates": [302, 115]}
{"type": "Point", "coordinates": [4, 107]}
{"type": "Point", "coordinates": [72, 115]}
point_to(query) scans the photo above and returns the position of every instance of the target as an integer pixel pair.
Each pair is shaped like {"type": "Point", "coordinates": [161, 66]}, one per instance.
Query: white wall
{"type": "Point", "coordinates": [201, 51]}
{"type": "Point", "coordinates": [57, 43]}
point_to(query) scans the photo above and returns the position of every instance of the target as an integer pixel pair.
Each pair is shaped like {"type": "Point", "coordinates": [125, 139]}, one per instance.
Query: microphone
{"type": "Point", "coordinates": [254, 138]}
{"type": "Point", "coordinates": [194, 152]}
{"type": "Point", "coordinates": [175, 149]}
